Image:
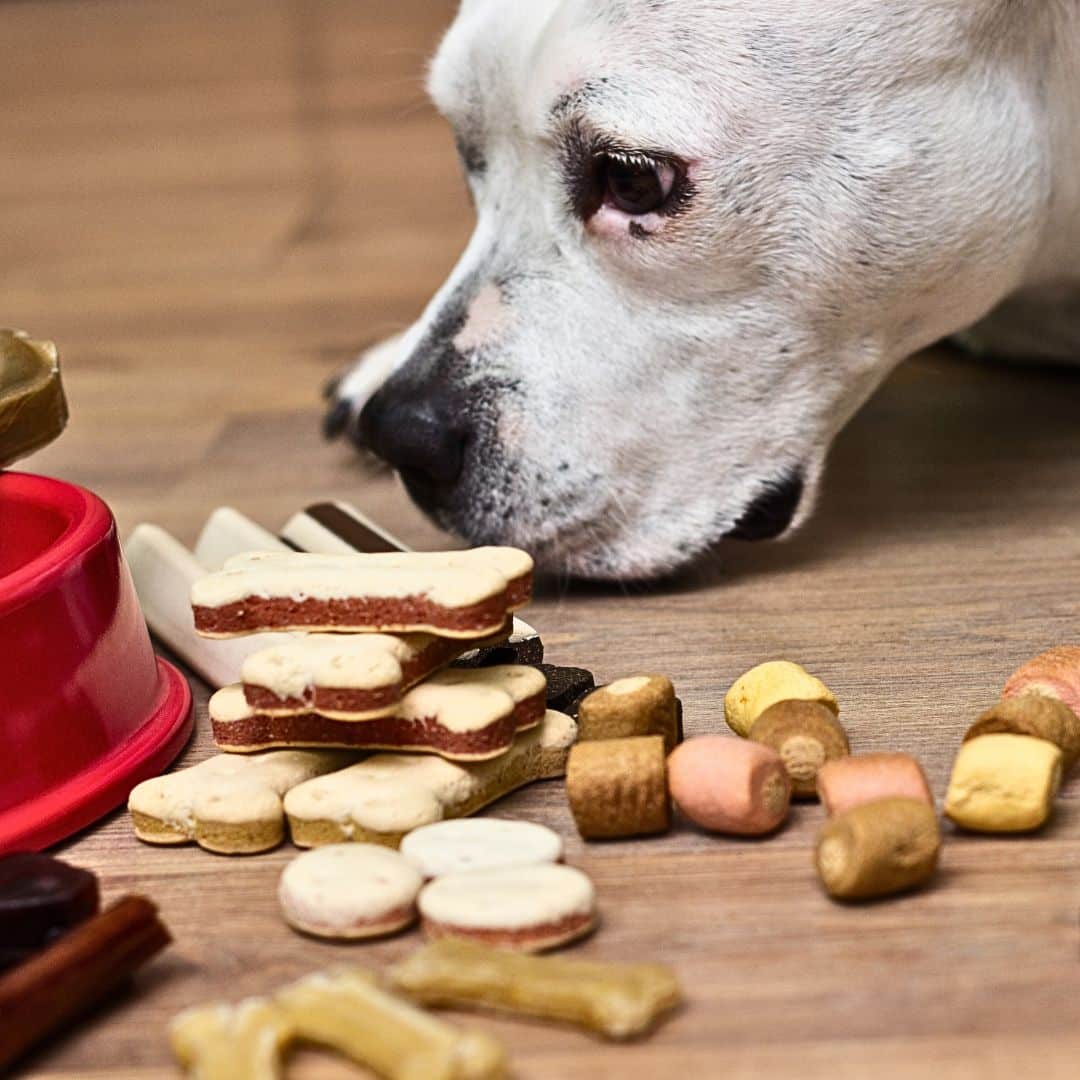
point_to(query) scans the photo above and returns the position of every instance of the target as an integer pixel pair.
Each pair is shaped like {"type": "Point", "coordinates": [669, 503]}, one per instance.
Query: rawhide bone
{"type": "Point", "coordinates": [41, 898]}
{"type": "Point", "coordinates": [463, 714]}
{"type": "Point", "coordinates": [453, 594]}
{"type": "Point", "coordinates": [338, 528]}
{"type": "Point", "coordinates": [227, 804]}
{"type": "Point", "coordinates": [383, 798]}
{"type": "Point", "coordinates": [343, 676]}
{"type": "Point", "coordinates": [45, 993]}
{"type": "Point", "coordinates": [618, 1001]}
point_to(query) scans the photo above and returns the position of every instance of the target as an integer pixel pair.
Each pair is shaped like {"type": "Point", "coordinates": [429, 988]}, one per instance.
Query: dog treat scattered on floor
{"type": "Point", "coordinates": [227, 804]}
{"type": "Point", "coordinates": [338, 528]}
{"type": "Point", "coordinates": [383, 798]}
{"type": "Point", "coordinates": [847, 782]}
{"type": "Point", "coordinates": [878, 849]}
{"type": "Point", "coordinates": [729, 785]}
{"type": "Point", "coordinates": [1054, 673]}
{"type": "Point", "coordinates": [765, 685]}
{"type": "Point", "coordinates": [566, 687]}
{"type": "Point", "coordinates": [526, 908]}
{"type": "Point", "coordinates": [245, 1041]}
{"type": "Point", "coordinates": [618, 787]}
{"type": "Point", "coordinates": [164, 572]}
{"type": "Point", "coordinates": [805, 734]}
{"type": "Point", "coordinates": [619, 1001]}
{"type": "Point", "coordinates": [228, 533]}
{"type": "Point", "coordinates": [464, 595]}
{"type": "Point", "coordinates": [483, 843]}
{"type": "Point", "coordinates": [461, 714]}
{"type": "Point", "coordinates": [1036, 715]}
{"type": "Point", "coordinates": [33, 409]}
{"type": "Point", "coordinates": [45, 993]}
{"type": "Point", "coordinates": [638, 705]}
{"type": "Point", "coordinates": [1004, 783]}
{"type": "Point", "coordinates": [41, 898]}
{"type": "Point", "coordinates": [349, 891]}
{"type": "Point", "coordinates": [346, 1011]}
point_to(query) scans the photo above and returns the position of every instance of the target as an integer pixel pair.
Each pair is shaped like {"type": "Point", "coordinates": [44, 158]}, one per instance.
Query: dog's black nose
{"type": "Point", "coordinates": [771, 512]}
{"type": "Point", "coordinates": [422, 436]}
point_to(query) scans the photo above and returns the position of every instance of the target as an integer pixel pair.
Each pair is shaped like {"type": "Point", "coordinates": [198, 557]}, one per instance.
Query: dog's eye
{"type": "Point", "coordinates": [636, 184]}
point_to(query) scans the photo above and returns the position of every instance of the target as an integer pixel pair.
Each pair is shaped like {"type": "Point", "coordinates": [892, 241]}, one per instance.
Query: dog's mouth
{"type": "Point", "coordinates": [772, 512]}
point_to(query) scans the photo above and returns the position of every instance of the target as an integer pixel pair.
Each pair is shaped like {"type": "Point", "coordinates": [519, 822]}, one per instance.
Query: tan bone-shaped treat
{"type": "Point", "coordinates": [232, 1042]}
{"type": "Point", "coordinates": [228, 804]}
{"type": "Point", "coordinates": [347, 1012]}
{"type": "Point", "coordinates": [619, 1001]}
{"type": "Point", "coordinates": [388, 795]}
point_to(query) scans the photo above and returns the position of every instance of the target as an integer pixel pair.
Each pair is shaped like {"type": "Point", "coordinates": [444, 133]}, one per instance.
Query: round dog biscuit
{"type": "Point", "coordinates": [805, 734]}
{"type": "Point", "coordinates": [349, 891]}
{"type": "Point", "coordinates": [467, 844]}
{"type": "Point", "coordinates": [527, 908]}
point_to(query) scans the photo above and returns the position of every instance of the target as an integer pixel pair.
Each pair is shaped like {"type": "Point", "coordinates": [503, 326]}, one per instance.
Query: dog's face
{"type": "Point", "coordinates": [705, 232]}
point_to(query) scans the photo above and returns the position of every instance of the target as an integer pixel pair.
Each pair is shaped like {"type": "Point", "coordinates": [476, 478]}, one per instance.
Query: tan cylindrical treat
{"type": "Point", "coordinates": [805, 734]}
{"type": "Point", "coordinates": [730, 785]}
{"type": "Point", "coordinates": [878, 849]}
{"type": "Point", "coordinates": [1004, 783]}
{"type": "Point", "coordinates": [763, 686]}
{"type": "Point", "coordinates": [1054, 673]}
{"type": "Point", "coordinates": [639, 705]}
{"type": "Point", "coordinates": [618, 787]}
{"type": "Point", "coordinates": [848, 782]}
{"type": "Point", "coordinates": [1035, 715]}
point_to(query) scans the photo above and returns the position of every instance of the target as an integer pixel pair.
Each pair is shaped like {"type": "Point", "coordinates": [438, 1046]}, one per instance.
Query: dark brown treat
{"type": "Point", "coordinates": [566, 686]}
{"type": "Point", "coordinates": [46, 993]}
{"type": "Point", "coordinates": [351, 529]}
{"type": "Point", "coordinates": [638, 705]}
{"type": "Point", "coordinates": [41, 898]}
{"type": "Point", "coordinates": [618, 787]}
{"type": "Point", "coordinates": [518, 650]}
{"type": "Point", "coordinates": [1036, 715]}
{"type": "Point", "coordinates": [806, 734]}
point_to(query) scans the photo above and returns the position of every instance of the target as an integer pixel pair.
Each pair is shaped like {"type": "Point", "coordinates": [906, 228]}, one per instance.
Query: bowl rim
{"type": "Point", "coordinates": [89, 522]}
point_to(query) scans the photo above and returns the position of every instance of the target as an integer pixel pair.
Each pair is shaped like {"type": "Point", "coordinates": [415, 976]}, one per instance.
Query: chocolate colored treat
{"type": "Point", "coordinates": [566, 687]}
{"type": "Point", "coordinates": [639, 705]}
{"type": "Point", "coordinates": [518, 650]}
{"type": "Point", "coordinates": [41, 898]}
{"type": "Point", "coordinates": [618, 787]}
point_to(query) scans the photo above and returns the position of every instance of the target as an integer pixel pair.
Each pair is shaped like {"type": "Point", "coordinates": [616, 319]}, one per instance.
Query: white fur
{"type": "Point", "coordinates": [870, 177]}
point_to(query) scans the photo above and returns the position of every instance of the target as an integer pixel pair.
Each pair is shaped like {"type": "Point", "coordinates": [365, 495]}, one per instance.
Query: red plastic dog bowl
{"type": "Point", "coordinates": [86, 708]}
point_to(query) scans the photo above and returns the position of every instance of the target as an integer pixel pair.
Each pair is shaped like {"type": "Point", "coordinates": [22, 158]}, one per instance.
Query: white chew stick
{"type": "Point", "coordinates": [227, 533]}
{"type": "Point", "coordinates": [164, 571]}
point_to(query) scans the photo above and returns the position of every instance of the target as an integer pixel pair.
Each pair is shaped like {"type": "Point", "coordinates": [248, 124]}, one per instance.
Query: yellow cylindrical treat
{"type": "Point", "coordinates": [1004, 783]}
{"type": "Point", "coordinates": [618, 787]}
{"type": "Point", "coordinates": [761, 687]}
{"type": "Point", "coordinates": [878, 849]}
{"type": "Point", "coordinates": [1036, 715]}
{"type": "Point", "coordinates": [638, 705]}
{"type": "Point", "coordinates": [805, 734]}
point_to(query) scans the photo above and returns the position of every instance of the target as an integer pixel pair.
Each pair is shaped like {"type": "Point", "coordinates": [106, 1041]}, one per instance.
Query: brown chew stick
{"type": "Point", "coordinates": [618, 787]}
{"type": "Point", "coordinates": [54, 987]}
{"type": "Point", "coordinates": [1033, 714]}
{"type": "Point", "coordinates": [638, 705]}
{"type": "Point", "coordinates": [805, 734]}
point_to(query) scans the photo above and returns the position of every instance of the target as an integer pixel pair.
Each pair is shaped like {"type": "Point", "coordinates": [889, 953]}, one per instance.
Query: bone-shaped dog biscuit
{"type": "Point", "coordinates": [347, 1012]}
{"type": "Point", "coordinates": [232, 1042]}
{"type": "Point", "coordinates": [228, 804]}
{"type": "Point", "coordinates": [383, 798]}
{"type": "Point", "coordinates": [618, 1001]}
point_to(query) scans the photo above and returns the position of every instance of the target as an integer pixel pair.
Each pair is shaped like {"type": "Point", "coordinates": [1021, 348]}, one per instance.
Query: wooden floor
{"type": "Point", "coordinates": [211, 206]}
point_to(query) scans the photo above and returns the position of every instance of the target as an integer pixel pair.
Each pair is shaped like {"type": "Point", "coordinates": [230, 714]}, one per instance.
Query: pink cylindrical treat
{"type": "Point", "coordinates": [1054, 673]}
{"type": "Point", "coordinates": [729, 785]}
{"type": "Point", "coordinates": [848, 782]}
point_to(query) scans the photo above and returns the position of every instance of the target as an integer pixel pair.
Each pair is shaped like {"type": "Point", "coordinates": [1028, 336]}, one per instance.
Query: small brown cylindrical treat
{"type": "Point", "coordinates": [618, 787]}
{"type": "Point", "coordinates": [1033, 714]}
{"type": "Point", "coordinates": [847, 782]}
{"type": "Point", "coordinates": [805, 734]}
{"type": "Point", "coordinates": [638, 705]}
{"type": "Point", "coordinates": [878, 849]}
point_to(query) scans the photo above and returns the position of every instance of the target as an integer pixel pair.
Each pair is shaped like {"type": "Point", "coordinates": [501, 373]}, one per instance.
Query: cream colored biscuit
{"type": "Point", "coordinates": [245, 1041]}
{"type": "Point", "coordinates": [349, 891]}
{"type": "Point", "coordinates": [1004, 783]}
{"type": "Point", "coordinates": [530, 908]}
{"type": "Point", "coordinates": [765, 685]}
{"type": "Point", "coordinates": [619, 1001]}
{"type": "Point", "coordinates": [470, 699]}
{"type": "Point", "coordinates": [383, 798]}
{"type": "Point", "coordinates": [483, 843]}
{"type": "Point", "coordinates": [227, 804]}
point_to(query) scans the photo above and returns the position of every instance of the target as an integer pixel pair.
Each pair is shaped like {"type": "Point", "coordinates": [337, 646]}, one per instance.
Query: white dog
{"type": "Point", "coordinates": [706, 231]}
